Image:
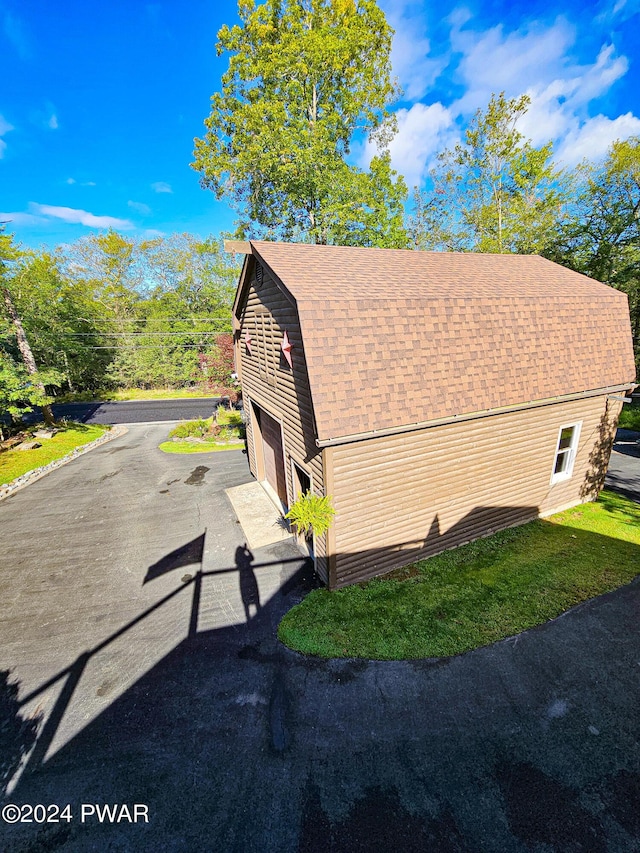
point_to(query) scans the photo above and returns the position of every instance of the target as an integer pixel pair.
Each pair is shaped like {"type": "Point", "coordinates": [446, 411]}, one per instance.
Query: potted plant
{"type": "Point", "coordinates": [311, 514]}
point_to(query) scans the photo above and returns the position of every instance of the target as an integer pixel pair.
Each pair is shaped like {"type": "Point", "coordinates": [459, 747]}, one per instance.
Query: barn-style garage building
{"type": "Point", "coordinates": [437, 397]}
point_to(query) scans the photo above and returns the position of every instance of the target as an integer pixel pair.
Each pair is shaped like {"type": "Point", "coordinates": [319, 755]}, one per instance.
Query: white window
{"type": "Point", "coordinates": [565, 452]}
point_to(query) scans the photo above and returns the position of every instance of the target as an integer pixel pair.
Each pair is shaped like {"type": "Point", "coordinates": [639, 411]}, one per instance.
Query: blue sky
{"type": "Point", "coordinates": [100, 102]}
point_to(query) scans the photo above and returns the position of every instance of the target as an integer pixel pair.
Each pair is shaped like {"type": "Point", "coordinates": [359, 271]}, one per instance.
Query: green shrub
{"type": "Point", "coordinates": [230, 417]}
{"type": "Point", "coordinates": [189, 429]}
{"type": "Point", "coordinates": [311, 513]}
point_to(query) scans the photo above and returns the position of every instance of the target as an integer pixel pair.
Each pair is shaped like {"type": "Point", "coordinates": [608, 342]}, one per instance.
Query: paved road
{"type": "Point", "coordinates": [137, 411]}
{"type": "Point", "coordinates": [234, 743]}
{"type": "Point", "coordinates": [624, 467]}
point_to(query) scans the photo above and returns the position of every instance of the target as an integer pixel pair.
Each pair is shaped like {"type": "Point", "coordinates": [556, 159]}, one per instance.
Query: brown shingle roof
{"type": "Point", "coordinates": [396, 337]}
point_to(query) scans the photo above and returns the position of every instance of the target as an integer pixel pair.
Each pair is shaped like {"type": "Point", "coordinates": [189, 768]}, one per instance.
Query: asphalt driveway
{"type": "Point", "coordinates": [232, 742]}
{"type": "Point", "coordinates": [623, 474]}
{"type": "Point", "coordinates": [133, 411]}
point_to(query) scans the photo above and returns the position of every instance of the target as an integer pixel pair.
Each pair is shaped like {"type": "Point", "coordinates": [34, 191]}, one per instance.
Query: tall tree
{"type": "Point", "coordinates": [601, 238]}
{"type": "Point", "coordinates": [63, 322]}
{"type": "Point", "coordinates": [304, 76]}
{"type": "Point", "coordinates": [8, 254]}
{"type": "Point", "coordinates": [494, 191]}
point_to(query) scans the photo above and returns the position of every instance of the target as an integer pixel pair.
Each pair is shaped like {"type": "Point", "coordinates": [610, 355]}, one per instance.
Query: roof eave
{"type": "Point", "coordinates": [380, 433]}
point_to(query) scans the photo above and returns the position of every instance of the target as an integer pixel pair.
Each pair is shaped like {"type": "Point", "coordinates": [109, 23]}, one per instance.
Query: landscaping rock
{"type": "Point", "coordinates": [44, 433]}
{"type": "Point", "coordinates": [8, 443]}
{"type": "Point", "coordinates": [28, 445]}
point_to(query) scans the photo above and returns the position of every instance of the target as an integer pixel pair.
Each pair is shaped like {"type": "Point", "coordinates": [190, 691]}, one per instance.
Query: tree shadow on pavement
{"type": "Point", "coordinates": [17, 733]}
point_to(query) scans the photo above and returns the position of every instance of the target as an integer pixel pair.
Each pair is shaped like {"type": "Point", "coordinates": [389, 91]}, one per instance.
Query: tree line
{"type": "Point", "coordinates": [112, 312]}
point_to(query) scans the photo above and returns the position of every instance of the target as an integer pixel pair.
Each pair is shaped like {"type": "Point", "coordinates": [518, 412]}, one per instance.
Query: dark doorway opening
{"type": "Point", "coordinates": [301, 485]}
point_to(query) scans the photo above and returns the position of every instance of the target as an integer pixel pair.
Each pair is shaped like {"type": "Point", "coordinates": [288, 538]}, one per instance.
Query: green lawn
{"type": "Point", "coordinates": [15, 463]}
{"type": "Point", "coordinates": [476, 594]}
{"type": "Point", "coordinates": [191, 447]}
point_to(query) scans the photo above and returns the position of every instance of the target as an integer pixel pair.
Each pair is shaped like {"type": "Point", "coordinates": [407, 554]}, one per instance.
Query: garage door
{"type": "Point", "coordinates": [273, 454]}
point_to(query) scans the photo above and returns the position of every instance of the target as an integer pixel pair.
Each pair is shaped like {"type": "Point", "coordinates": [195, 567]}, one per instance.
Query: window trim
{"type": "Point", "coordinates": [570, 452]}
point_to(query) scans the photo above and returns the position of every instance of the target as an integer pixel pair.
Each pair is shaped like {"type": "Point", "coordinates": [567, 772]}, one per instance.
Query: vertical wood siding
{"type": "Point", "coordinates": [269, 382]}
{"type": "Point", "coordinates": [404, 497]}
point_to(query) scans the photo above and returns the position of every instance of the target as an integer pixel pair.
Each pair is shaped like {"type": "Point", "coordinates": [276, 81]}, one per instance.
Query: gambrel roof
{"type": "Point", "coordinates": [394, 338]}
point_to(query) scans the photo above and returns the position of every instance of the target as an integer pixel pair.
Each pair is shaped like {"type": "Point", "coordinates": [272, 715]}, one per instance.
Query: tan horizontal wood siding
{"type": "Point", "coordinates": [404, 497]}
{"type": "Point", "coordinates": [283, 392]}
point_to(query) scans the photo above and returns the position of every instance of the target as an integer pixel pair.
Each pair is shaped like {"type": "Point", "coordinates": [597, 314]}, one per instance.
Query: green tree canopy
{"type": "Point", "coordinates": [62, 320]}
{"type": "Point", "coordinates": [304, 76]}
{"type": "Point", "coordinates": [494, 191]}
{"type": "Point", "coordinates": [601, 236]}
{"type": "Point", "coordinates": [21, 385]}
{"type": "Point", "coordinates": [108, 310]}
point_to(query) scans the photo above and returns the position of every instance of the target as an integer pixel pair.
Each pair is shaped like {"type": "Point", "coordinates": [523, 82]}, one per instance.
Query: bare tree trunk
{"type": "Point", "coordinates": [25, 350]}
{"type": "Point", "coordinates": [68, 374]}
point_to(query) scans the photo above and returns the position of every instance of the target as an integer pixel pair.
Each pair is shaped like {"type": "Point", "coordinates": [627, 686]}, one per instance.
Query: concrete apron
{"type": "Point", "coordinates": [261, 522]}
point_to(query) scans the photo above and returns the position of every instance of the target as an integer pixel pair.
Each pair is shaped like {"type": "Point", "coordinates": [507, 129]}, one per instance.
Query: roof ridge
{"type": "Point", "coordinates": [409, 251]}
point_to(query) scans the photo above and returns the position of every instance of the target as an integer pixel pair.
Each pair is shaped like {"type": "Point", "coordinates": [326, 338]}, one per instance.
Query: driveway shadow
{"type": "Point", "coordinates": [237, 744]}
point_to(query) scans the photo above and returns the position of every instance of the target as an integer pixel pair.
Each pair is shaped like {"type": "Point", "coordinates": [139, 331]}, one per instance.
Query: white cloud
{"type": "Point", "coordinates": [493, 61]}
{"type": "Point", "coordinates": [49, 117]}
{"type": "Point", "coordinates": [459, 17]}
{"type": "Point", "coordinates": [161, 187]}
{"type": "Point", "coordinates": [560, 110]}
{"type": "Point", "coordinates": [5, 127]}
{"type": "Point", "coordinates": [21, 218]}
{"type": "Point", "coordinates": [538, 61]}
{"type": "Point", "coordinates": [545, 60]}
{"type": "Point", "coordinates": [594, 138]}
{"type": "Point", "coordinates": [423, 131]}
{"type": "Point", "coordinates": [80, 217]}
{"type": "Point", "coordinates": [548, 115]}
{"type": "Point", "coordinates": [621, 10]}
{"type": "Point", "coordinates": [411, 62]}
{"type": "Point", "coordinates": [16, 33]}
{"type": "Point", "coordinates": [139, 207]}
{"type": "Point", "coordinates": [587, 82]}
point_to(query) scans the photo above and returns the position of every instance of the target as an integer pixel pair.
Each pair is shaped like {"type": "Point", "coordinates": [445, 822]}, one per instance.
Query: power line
{"type": "Point", "coordinates": [156, 320]}
{"type": "Point", "coordinates": [145, 346]}
{"type": "Point", "coordinates": [134, 334]}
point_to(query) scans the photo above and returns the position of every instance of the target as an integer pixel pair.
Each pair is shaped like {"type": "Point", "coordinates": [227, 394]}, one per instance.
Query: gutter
{"type": "Point", "coordinates": [549, 401]}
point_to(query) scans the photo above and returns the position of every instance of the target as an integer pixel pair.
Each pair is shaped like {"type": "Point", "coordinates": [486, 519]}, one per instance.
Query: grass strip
{"type": "Point", "coordinates": [126, 394]}
{"type": "Point", "coordinates": [476, 594]}
{"type": "Point", "coordinates": [194, 447]}
{"type": "Point", "coordinates": [14, 463]}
